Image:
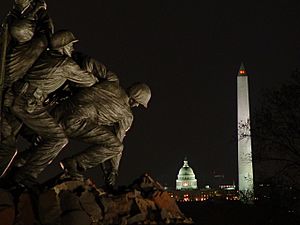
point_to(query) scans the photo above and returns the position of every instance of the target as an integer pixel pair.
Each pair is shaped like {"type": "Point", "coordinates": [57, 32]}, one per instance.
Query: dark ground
{"type": "Point", "coordinates": [235, 213]}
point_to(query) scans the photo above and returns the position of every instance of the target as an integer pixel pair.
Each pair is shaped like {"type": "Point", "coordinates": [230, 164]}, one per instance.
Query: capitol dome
{"type": "Point", "coordinates": [186, 178]}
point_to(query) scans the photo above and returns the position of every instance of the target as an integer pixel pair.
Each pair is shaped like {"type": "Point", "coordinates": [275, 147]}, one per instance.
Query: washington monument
{"type": "Point", "coordinates": [245, 168]}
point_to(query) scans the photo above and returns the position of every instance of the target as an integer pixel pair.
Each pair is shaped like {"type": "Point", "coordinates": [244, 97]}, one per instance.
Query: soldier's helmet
{"type": "Point", "coordinates": [62, 38]}
{"type": "Point", "coordinates": [141, 93]}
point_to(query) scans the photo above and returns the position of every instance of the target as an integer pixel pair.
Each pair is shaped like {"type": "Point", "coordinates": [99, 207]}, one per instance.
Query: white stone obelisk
{"type": "Point", "coordinates": [245, 167]}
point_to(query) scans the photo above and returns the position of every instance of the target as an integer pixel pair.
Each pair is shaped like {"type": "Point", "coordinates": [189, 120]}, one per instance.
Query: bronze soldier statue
{"type": "Point", "coordinates": [38, 65]}
{"type": "Point", "coordinates": [25, 34]}
{"type": "Point", "coordinates": [49, 73]}
{"type": "Point", "coordinates": [86, 63]}
{"type": "Point", "coordinates": [100, 116]}
{"type": "Point", "coordinates": [29, 28]}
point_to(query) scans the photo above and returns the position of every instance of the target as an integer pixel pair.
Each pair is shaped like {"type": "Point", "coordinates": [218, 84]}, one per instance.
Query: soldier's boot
{"type": "Point", "coordinates": [72, 169]}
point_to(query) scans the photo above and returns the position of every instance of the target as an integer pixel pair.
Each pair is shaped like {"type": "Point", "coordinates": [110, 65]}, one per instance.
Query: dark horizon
{"type": "Point", "coordinates": [190, 56]}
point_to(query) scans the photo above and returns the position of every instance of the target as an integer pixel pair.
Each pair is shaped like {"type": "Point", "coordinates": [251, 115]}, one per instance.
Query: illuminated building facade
{"type": "Point", "coordinates": [187, 189]}
{"type": "Point", "coordinates": [245, 168]}
{"type": "Point", "coordinates": [186, 178]}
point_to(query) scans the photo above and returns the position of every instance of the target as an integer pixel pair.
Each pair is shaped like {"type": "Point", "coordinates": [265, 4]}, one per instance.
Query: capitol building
{"type": "Point", "coordinates": [186, 179]}
{"type": "Point", "coordinates": [187, 188]}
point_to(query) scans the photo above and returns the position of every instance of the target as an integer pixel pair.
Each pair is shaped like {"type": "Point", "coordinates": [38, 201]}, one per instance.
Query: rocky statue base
{"type": "Point", "coordinates": [67, 202]}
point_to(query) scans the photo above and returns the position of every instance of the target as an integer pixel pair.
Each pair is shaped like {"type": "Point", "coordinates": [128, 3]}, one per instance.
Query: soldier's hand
{"type": "Point", "coordinates": [111, 178]}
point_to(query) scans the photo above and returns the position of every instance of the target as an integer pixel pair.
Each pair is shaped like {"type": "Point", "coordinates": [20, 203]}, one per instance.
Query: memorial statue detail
{"type": "Point", "coordinates": [51, 94]}
{"type": "Point", "coordinates": [25, 34]}
{"type": "Point", "coordinates": [100, 116]}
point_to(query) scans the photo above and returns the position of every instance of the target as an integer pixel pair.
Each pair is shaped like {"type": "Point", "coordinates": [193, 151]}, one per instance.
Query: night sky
{"type": "Point", "coordinates": [189, 55]}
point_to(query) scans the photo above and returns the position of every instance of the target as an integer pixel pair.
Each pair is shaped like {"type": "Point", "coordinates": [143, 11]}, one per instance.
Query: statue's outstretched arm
{"type": "Point", "coordinates": [93, 66]}
{"type": "Point", "coordinates": [80, 77]}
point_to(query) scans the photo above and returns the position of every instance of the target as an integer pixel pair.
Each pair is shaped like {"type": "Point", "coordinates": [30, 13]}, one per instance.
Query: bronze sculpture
{"type": "Point", "coordinates": [47, 75]}
{"type": "Point", "coordinates": [30, 29]}
{"type": "Point", "coordinates": [39, 67]}
{"type": "Point", "coordinates": [26, 31]}
{"type": "Point", "coordinates": [100, 116]}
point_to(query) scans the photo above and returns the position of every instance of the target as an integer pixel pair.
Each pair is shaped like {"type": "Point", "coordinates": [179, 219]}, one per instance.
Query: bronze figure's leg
{"type": "Point", "coordinates": [105, 146]}
{"type": "Point", "coordinates": [53, 138]}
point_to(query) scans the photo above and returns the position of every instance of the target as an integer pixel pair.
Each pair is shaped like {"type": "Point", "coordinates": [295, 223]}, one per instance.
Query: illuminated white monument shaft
{"type": "Point", "coordinates": [244, 140]}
